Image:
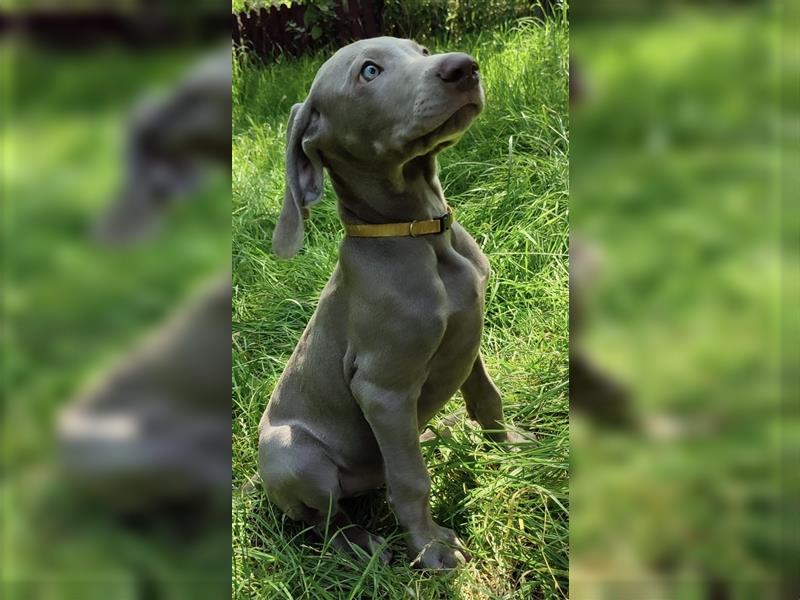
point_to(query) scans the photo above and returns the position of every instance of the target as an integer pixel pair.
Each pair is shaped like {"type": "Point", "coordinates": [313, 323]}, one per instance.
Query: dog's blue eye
{"type": "Point", "coordinates": [370, 71]}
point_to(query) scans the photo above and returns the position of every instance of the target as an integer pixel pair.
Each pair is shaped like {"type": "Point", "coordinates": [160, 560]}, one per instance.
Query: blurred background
{"type": "Point", "coordinates": [683, 436]}
{"type": "Point", "coordinates": [116, 301]}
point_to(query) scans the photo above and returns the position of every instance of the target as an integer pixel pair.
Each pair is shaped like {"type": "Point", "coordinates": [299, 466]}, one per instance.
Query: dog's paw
{"type": "Point", "coordinates": [512, 437]}
{"type": "Point", "coordinates": [513, 440]}
{"type": "Point", "coordinates": [506, 440]}
{"type": "Point", "coordinates": [377, 546]}
{"type": "Point", "coordinates": [440, 551]}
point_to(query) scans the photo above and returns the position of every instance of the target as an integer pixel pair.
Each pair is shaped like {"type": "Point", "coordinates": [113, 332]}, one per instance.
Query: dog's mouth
{"type": "Point", "coordinates": [452, 128]}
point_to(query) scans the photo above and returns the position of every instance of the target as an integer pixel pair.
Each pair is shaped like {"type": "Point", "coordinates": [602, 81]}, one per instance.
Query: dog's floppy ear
{"type": "Point", "coordinates": [303, 179]}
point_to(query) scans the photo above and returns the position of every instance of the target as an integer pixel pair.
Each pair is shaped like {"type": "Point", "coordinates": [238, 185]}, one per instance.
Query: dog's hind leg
{"type": "Point", "coordinates": [485, 405]}
{"type": "Point", "coordinates": [301, 480]}
{"type": "Point", "coordinates": [297, 474]}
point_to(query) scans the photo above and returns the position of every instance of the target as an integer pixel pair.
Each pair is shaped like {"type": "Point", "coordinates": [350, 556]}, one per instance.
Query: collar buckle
{"type": "Point", "coordinates": [445, 221]}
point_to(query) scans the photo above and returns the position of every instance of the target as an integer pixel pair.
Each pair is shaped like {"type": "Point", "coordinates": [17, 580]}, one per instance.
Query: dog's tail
{"type": "Point", "coordinates": [251, 486]}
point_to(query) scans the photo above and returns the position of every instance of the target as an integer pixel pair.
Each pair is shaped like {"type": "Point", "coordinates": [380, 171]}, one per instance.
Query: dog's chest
{"type": "Point", "coordinates": [464, 282]}
{"type": "Point", "coordinates": [464, 286]}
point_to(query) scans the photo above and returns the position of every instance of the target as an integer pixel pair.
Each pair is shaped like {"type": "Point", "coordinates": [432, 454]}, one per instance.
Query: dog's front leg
{"type": "Point", "coordinates": [485, 405]}
{"type": "Point", "coordinates": [392, 415]}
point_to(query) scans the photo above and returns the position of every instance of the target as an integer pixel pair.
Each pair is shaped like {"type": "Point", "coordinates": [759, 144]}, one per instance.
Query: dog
{"type": "Point", "coordinates": [155, 428]}
{"type": "Point", "coordinates": [173, 139]}
{"type": "Point", "coordinates": [398, 326]}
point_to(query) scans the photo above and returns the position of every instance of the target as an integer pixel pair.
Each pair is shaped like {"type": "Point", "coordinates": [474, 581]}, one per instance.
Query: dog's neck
{"type": "Point", "coordinates": [410, 192]}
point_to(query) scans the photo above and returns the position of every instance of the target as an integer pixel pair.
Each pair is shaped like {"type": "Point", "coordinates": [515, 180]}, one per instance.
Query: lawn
{"type": "Point", "coordinates": [507, 180]}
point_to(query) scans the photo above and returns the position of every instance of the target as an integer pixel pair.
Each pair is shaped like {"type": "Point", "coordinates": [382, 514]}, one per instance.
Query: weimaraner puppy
{"type": "Point", "coordinates": [398, 326]}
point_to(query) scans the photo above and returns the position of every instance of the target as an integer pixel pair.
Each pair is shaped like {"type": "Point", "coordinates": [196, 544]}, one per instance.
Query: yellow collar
{"type": "Point", "coordinates": [407, 229]}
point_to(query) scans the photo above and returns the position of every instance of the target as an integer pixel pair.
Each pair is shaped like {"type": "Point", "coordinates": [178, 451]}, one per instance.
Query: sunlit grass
{"type": "Point", "coordinates": [507, 180]}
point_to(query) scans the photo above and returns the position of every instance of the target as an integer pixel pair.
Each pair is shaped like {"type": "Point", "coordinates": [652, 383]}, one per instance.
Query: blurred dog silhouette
{"type": "Point", "coordinates": [172, 139]}
{"type": "Point", "coordinates": [592, 391]}
{"type": "Point", "coordinates": [156, 428]}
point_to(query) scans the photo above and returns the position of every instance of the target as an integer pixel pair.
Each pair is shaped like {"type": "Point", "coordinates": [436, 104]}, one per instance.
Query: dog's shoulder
{"type": "Point", "coordinates": [466, 245]}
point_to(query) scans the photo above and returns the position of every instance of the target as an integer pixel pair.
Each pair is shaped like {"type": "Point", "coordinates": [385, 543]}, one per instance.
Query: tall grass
{"type": "Point", "coordinates": [507, 180]}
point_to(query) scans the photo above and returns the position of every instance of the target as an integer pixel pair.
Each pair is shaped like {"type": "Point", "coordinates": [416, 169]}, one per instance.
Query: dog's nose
{"type": "Point", "coordinates": [458, 69]}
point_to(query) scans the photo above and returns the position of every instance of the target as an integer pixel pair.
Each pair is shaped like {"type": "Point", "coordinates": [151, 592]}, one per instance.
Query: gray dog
{"type": "Point", "coordinates": [398, 326]}
{"type": "Point", "coordinates": [156, 427]}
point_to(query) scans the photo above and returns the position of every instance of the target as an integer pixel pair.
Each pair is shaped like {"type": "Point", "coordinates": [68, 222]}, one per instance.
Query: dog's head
{"type": "Point", "coordinates": [374, 105]}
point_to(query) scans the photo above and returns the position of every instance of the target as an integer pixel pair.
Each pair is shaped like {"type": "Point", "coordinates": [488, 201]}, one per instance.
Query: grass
{"type": "Point", "coordinates": [674, 168]}
{"type": "Point", "coordinates": [507, 180]}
